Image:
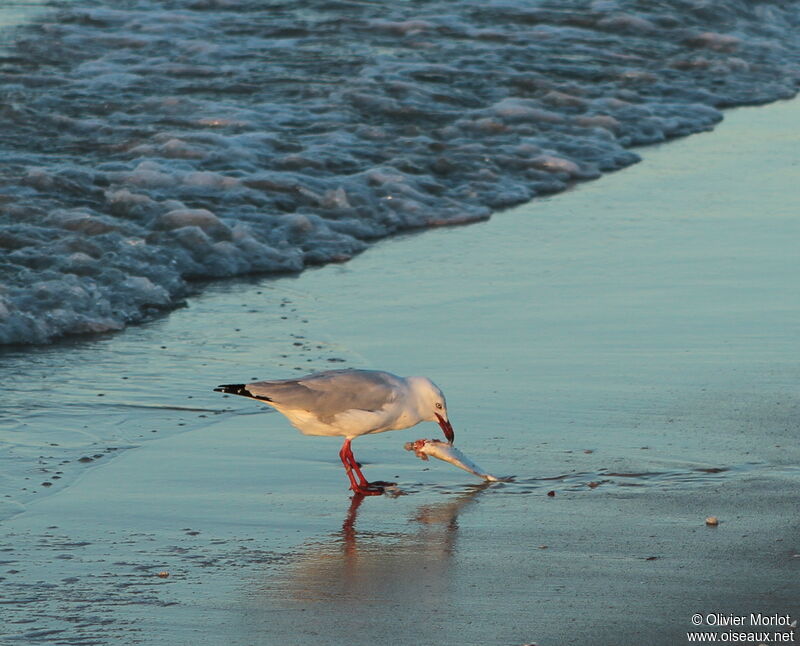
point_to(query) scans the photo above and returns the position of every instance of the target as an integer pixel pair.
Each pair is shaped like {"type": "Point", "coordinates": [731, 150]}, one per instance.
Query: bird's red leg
{"type": "Point", "coordinates": [349, 461]}
{"type": "Point", "coordinates": [344, 456]}
{"type": "Point", "coordinates": [354, 465]}
{"type": "Point", "coordinates": [378, 485]}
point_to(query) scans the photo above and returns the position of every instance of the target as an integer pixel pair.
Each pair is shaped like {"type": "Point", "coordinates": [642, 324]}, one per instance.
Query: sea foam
{"type": "Point", "coordinates": [147, 144]}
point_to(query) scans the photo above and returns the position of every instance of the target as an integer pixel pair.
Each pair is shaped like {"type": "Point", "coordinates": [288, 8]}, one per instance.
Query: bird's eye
{"type": "Point", "coordinates": [438, 405]}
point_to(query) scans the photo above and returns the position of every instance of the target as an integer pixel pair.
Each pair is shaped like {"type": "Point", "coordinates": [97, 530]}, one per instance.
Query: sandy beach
{"type": "Point", "coordinates": [630, 345]}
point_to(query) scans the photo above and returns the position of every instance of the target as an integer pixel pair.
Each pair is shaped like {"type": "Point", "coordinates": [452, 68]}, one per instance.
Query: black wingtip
{"type": "Point", "coordinates": [233, 389]}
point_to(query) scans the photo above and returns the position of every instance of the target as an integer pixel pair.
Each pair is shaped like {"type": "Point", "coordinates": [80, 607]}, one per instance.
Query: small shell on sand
{"type": "Point", "coordinates": [712, 521]}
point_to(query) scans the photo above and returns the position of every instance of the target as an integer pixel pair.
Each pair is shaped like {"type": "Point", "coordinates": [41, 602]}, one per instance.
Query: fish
{"type": "Point", "coordinates": [446, 452]}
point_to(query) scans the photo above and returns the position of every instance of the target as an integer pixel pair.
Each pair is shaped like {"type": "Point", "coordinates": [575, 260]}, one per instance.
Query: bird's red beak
{"type": "Point", "coordinates": [447, 428]}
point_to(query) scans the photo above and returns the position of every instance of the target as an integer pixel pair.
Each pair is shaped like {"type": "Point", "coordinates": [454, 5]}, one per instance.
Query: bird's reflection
{"type": "Point", "coordinates": [442, 516]}
{"type": "Point", "coordinates": [406, 563]}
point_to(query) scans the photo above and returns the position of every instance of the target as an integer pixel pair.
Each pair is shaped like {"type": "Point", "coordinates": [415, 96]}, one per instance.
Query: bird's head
{"type": "Point", "coordinates": [431, 404]}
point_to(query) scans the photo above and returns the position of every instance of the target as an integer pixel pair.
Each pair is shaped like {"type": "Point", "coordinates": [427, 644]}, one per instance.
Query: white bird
{"type": "Point", "coordinates": [351, 403]}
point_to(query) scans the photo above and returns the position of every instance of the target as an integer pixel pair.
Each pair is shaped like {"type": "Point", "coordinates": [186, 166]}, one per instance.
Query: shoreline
{"type": "Point", "coordinates": [635, 333]}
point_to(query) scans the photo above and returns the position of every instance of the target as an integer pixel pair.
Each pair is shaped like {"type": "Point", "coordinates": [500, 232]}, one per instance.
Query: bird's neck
{"type": "Point", "coordinates": [417, 407]}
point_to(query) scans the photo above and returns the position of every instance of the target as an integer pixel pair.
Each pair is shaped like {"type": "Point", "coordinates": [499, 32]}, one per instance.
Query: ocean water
{"type": "Point", "coordinates": [146, 145]}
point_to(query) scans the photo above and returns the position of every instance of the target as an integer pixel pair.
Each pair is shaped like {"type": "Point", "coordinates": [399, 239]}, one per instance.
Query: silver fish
{"type": "Point", "coordinates": [445, 451]}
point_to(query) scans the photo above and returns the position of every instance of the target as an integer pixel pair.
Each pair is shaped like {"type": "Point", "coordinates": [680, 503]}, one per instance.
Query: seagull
{"type": "Point", "coordinates": [350, 403]}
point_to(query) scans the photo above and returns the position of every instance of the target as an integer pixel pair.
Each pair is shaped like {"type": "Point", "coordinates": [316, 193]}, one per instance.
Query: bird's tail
{"type": "Point", "coordinates": [234, 389]}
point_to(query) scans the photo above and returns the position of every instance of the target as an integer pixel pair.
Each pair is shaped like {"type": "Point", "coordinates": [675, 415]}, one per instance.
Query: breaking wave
{"type": "Point", "coordinates": [148, 143]}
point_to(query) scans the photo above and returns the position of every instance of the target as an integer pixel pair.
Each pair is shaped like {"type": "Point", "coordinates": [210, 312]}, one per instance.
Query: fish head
{"type": "Point", "coordinates": [418, 447]}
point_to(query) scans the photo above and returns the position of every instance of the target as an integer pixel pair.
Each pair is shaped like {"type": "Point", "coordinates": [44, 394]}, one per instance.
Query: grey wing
{"type": "Point", "coordinates": [329, 393]}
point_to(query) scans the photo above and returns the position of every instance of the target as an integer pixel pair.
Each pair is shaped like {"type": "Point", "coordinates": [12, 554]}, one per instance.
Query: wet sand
{"type": "Point", "coordinates": [629, 345]}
